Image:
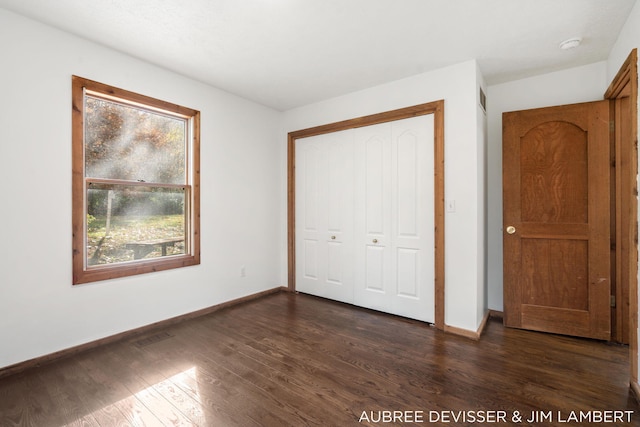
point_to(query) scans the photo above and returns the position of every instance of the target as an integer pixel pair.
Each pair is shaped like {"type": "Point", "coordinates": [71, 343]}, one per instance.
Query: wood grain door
{"type": "Point", "coordinates": [556, 200]}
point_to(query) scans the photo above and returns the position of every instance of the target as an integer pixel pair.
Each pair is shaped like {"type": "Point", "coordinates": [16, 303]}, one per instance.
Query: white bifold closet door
{"type": "Point", "coordinates": [325, 216]}
{"type": "Point", "coordinates": [365, 217]}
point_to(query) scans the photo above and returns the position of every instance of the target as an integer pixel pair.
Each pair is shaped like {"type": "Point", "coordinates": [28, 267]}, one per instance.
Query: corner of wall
{"type": "Point", "coordinates": [483, 247]}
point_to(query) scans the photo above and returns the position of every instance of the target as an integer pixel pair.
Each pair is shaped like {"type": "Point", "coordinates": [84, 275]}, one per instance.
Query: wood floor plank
{"type": "Point", "coordinates": [260, 383]}
{"type": "Point", "coordinates": [135, 413]}
{"type": "Point", "coordinates": [179, 375]}
{"type": "Point", "coordinates": [219, 409]}
{"type": "Point", "coordinates": [67, 408]}
{"type": "Point", "coordinates": [15, 411]}
{"type": "Point", "coordinates": [322, 376]}
{"type": "Point", "coordinates": [140, 381]}
{"type": "Point", "coordinates": [27, 401]}
{"type": "Point", "coordinates": [334, 357]}
{"type": "Point", "coordinates": [90, 394]}
{"type": "Point", "coordinates": [113, 393]}
{"type": "Point", "coordinates": [294, 360]}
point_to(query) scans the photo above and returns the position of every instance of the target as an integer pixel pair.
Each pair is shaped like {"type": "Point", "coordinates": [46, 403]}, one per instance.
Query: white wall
{"type": "Point", "coordinates": [457, 86]}
{"type": "Point", "coordinates": [40, 311]}
{"type": "Point", "coordinates": [243, 184]}
{"type": "Point", "coordinates": [628, 39]}
{"type": "Point", "coordinates": [581, 84]}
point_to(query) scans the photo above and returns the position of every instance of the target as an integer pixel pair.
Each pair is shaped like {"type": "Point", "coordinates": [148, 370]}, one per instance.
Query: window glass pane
{"type": "Point", "coordinates": [127, 223]}
{"type": "Point", "coordinates": [124, 142]}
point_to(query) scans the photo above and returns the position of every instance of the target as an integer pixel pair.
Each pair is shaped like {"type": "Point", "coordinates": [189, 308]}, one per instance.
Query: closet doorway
{"type": "Point", "coordinates": [366, 211]}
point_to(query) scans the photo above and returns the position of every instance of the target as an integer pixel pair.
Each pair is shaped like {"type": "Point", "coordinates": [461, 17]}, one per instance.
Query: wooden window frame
{"type": "Point", "coordinates": [85, 274]}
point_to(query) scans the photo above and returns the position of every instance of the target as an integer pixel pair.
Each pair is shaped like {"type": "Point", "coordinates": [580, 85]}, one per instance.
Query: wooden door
{"type": "Point", "coordinates": [556, 201]}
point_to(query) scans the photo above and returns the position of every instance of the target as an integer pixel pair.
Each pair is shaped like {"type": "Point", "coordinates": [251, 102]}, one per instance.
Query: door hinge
{"type": "Point", "coordinates": [612, 126]}
{"type": "Point", "coordinates": [613, 301]}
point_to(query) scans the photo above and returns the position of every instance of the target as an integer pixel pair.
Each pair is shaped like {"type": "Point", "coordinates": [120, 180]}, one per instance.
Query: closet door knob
{"type": "Point", "coordinates": [333, 237]}
{"type": "Point", "coordinates": [375, 240]}
{"type": "Point", "coordinates": [511, 229]}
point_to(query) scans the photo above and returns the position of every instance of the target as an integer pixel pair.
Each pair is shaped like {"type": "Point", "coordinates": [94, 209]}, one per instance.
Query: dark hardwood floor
{"type": "Point", "coordinates": [297, 360]}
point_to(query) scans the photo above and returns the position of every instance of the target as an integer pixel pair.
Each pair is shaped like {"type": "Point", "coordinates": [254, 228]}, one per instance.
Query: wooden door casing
{"type": "Point", "coordinates": [624, 235]}
{"type": "Point", "coordinates": [625, 85]}
{"type": "Point", "coordinates": [556, 187]}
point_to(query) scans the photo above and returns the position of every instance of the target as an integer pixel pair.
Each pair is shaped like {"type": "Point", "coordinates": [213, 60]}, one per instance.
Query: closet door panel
{"type": "Point", "coordinates": [407, 262]}
{"type": "Point", "coordinates": [309, 266]}
{"type": "Point", "coordinates": [374, 274]}
{"type": "Point", "coordinates": [373, 263]}
{"type": "Point", "coordinates": [310, 259]}
{"type": "Point", "coordinates": [413, 219]}
{"type": "Point", "coordinates": [375, 144]}
{"type": "Point", "coordinates": [324, 177]}
{"type": "Point", "coordinates": [338, 216]}
{"type": "Point", "coordinates": [406, 185]}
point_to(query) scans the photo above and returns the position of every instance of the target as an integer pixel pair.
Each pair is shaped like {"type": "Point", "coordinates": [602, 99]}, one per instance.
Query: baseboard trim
{"type": "Point", "coordinates": [483, 324]}
{"type": "Point", "coordinates": [48, 358]}
{"type": "Point", "coordinates": [496, 314]}
{"type": "Point", "coordinates": [462, 332]}
{"type": "Point", "coordinates": [474, 335]}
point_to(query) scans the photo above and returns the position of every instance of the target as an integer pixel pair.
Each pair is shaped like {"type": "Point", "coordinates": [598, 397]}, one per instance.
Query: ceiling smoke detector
{"type": "Point", "coordinates": [571, 43]}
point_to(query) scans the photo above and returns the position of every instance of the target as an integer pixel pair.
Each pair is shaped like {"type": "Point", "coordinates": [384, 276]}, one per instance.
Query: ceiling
{"type": "Point", "coordinates": [288, 53]}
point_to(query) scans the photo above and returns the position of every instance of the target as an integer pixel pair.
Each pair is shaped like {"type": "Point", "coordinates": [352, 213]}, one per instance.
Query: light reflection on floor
{"type": "Point", "coordinates": [174, 398]}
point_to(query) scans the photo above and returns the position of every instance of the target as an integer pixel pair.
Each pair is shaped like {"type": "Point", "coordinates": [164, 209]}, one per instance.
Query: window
{"type": "Point", "coordinates": [136, 185]}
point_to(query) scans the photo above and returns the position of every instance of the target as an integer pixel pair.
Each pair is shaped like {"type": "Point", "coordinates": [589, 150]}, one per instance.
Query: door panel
{"type": "Point", "coordinates": [373, 263]}
{"type": "Point", "coordinates": [407, 187]}
{"type": "Point", "coordinates": [554, 190]}
{"type": "Point", "coordinates": [374, 275]}
{"type": "Point", "coordinates": [325, 177]}
{"type": "Point", "coordinates": [310, 183]}
{"type": "Point", "coordinates": [338, 225]}
{"type": "Point", "coordinates": [310, 260]}
{"type": "Point", "coordinates": [308, 253]}
{"type": "Point", "coordinates": [554, 273]}
{"type": "Point", "coordinates": [556, 184]}
{"type": "Point", "coordinates": [408, 263]}
{"type": "Point", "coordinates": [413, 218]}
{"type": "Point", "coordinates": [395, 166]}
{"type": "Point", "coordinates": [335, 259]}
{"type": "Point", "coordinates": [376, 150]}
